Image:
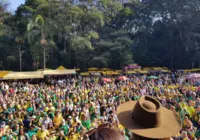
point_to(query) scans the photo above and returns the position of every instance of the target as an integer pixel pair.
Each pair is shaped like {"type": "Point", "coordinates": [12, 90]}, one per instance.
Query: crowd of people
{"type": "Point", "coordinates": [69, 108]}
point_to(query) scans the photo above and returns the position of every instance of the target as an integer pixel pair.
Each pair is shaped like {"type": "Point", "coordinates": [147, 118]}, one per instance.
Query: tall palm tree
{"type": "Point", "coordinates": [36, 28]}
{"type": "Point", "coordinates": [20, 40]}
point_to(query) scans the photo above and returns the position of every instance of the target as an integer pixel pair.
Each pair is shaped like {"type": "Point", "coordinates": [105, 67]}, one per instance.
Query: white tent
{"type": "Point", "coordinates": [59, 72]}
{"type": "Point", "coordinates": [24, 75]}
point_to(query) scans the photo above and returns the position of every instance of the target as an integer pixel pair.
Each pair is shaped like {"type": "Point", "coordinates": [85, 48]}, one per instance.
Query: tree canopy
{"type": "Point", "coordinates": [103, 33]}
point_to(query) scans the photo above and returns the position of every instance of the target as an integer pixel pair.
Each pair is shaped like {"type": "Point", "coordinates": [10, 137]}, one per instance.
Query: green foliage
{"type": "Point", "coordinates": [102, 33]}
{"type": "Point", "coordinates": [10, 60]}
{"type": "Point", "coordinates": [81, 43]}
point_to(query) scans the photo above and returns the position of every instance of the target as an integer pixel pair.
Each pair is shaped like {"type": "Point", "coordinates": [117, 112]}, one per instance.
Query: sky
{"type": "Point", "coordinates": [15, 3]}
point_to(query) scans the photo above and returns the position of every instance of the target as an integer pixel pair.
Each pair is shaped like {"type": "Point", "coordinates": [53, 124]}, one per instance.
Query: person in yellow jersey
{"type": "Point", "coordinates": [42, 133]}
{"type": "Point", "coordinates": [191, 109]}
{"type": "Point", "coordinates": [57, 120]}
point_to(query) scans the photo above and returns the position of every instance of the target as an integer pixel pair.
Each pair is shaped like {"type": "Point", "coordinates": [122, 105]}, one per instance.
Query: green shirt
{"type": "Point", "coordinates": [65, 128]}
{"type": "Point", "coordinates": [30, 109]}
{"type": "Point", "coordinates": [79, 129]}
{"type": "Point", "coordinates": [32, 132]}
{"type": "Point", "coordinates": [126, 138]}
{"type": "Point", "coordinates": [87, 124]}
{"type": "Point", "coordinates": [4, 138]}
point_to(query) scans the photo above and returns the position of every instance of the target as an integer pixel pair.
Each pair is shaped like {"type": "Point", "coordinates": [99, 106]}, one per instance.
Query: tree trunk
{"type": "Point", "coordinates": [44, 57]}
{"type": "Point", "coordinates": [193, 64]}
{"type": "Point", "coordinates": [65, 49]}
{"type": "Point", "coordinates": [20, 58]}
{"type": "Point", "coordinates": [69, 54]}
{"type": "Point", "coordinates": [199, 62]}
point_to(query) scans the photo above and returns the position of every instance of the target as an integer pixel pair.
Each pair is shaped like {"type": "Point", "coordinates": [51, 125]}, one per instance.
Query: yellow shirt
{"type": "Point", "coordinates": [75, 137]}
{"type": "Point", "coordinates": [57, 120]}
{"type": "Point", "coordinates": [42, 134]}
{"type": "Point", "coordinates": [182, 104]}
{"type": "Point", "coordinates": [191, 110]}
{"type": "Point", "coordinates": [119, 127]}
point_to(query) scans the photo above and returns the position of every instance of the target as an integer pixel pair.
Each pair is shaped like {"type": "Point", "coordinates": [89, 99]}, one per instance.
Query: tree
{"type": "Point", "coordinates": [114, 48]}
{"type": "Point", "coordinates": [39, 29]}
{"type": "Point", "coordinates": [4, 14]}
{"type": "Point", "coordinates": [164, 29]}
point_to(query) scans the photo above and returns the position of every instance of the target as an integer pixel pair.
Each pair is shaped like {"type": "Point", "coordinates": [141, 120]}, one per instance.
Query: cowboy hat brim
{"type": "Point", "coordinates": [170, 126]}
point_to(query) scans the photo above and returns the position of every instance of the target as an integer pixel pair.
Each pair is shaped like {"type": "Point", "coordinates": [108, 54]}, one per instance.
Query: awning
{"type": "Point", "coordinates": [165, 70]}
{"type": "Point", "coordinates": [3, 73]}
{"type": "Point", "coordinates": [119, 70]}
{"type": "Point", "coordinates": [92, 68]}
{"type": "Point", "coordinates": [195, 69]}
{"type": "Point", "coordinates": [105, 69]}
{"type": "Point", "coordinates": [23, 75]}
{"type": "Point", "coordinates": [188, 70]}
{"type": "Point", "coordinates": [110, 73]}
{"type": "Point", "coordinates": [84, 74]}
{"type": "Point", "coordinates": [61, 68]}
{"type": "Point", "coordinates": [59, 72]}
{"type": "Point", "coordinates": [146, 68]}
{"type": "Point", "coordinates": [143, 72]}
{"type": "Point", "coordinates": [157, 68]}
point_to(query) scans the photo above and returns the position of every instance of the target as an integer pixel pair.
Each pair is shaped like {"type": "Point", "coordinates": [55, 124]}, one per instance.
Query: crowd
{"type": "Point", "coordinates": [69, 108]}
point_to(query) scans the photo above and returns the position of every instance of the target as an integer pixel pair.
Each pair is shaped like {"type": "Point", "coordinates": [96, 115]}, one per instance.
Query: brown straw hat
{"type": "Point", "coordinates": [147, 118]}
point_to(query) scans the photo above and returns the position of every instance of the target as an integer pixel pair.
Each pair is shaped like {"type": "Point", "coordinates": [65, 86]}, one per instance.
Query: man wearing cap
{"type": "Point", "coordinates": [147, 119]}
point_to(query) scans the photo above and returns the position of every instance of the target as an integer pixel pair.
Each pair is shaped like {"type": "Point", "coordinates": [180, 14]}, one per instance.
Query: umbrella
{"type": "Point", "coordinates": [153, 77]}
{"type": "Point", "coordinates": [106, 80]}
{"type": "Point", "coordinates": [122, 78]}
{"type": "Point", "coordinates": [197, 83]}
{"type": "Point", "coordinates": [193, 76]}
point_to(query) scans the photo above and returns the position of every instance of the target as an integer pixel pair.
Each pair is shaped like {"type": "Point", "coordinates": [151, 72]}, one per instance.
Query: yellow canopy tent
{"type": "Point", "coordinates": [92, 68]}
{"type": "Point", "coordinates": [59, 72]}
{"type": "Point", "coordinates": [105, 69]}
{"type": "Point", "coordinates": [165, 70]}
{"type": "Point", "coordinates": [195, 69]}
{"type": "Point", "coordinates": [112, 73]}
{"type": "Point", "coordinates": [143, 72]}
{"type": "Point", "coordinates": [188, 70]}
{"type": "Point", "coordinates": [77, 69]}
{"type": "Point", "coordinates": [119, 70]}
{"type": "Point", "coordinates": [3, 73]}
{"type": "Point", "coordinates": [157, 68]}
{"type": "Point", "coordinates": [84, 74]}
{"type": "Point", "coordinates": [146, 68]}
{"type": "Point", "coordinates": [115, 73]}
{"type": "Point", "coordinates": [24, 75]}
{"type": "Point", "coordinates": [61, 68]}
{"type": "Point", "coordinates": [137, 70]}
